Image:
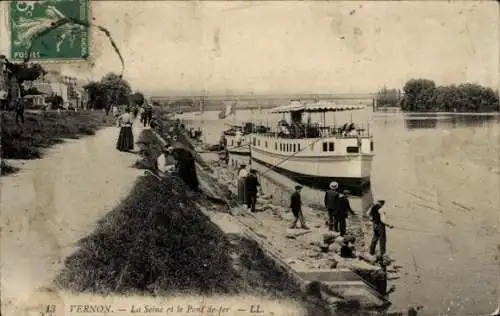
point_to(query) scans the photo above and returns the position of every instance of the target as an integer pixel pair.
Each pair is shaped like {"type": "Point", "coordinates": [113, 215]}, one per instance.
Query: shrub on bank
{"type": "Point", "coordinates": [150, 148]}
{"type": "Point", "coordinates": [7, 169]}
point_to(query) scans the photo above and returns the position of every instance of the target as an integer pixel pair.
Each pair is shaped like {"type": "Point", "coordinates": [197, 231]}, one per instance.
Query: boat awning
{"type": "Point", "coordinates": [316, 107]}
{"type": "Point", "coordinates": [293, 106]}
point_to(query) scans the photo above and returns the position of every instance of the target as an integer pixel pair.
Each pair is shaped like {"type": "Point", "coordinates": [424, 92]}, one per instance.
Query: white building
{"type": "Point", "coordinates": [49, 84]}
{"type": "Point", "coordinates": [61, 90]}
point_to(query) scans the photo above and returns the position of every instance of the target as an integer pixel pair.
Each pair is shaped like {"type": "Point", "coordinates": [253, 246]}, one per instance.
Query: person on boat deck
{"type": "Point", "coordinates": [296, 206]}
{"type": "Point", "coordinates": [342, 211]}
{"type": "Point", "coordinates": [238, 137]}
{"type": "Point", "coordinates": [378, 219]}
{"type": "Point", "coordinates": [252, 185]}
{"type": "Point", "coordinates": [223, 141]}
{"type": "Point", "coordinates": [343, 128]}
{"type": "Point", "coordinates": [353, 132]}
{"type": "Point", "coordinates": [242, 176]}
{"type": "Point", "coordinates": [284, 130]}
{"type": "Point", "coordinates": [331, 196]}
{"type": "Point", "coordinates": [226, 156]}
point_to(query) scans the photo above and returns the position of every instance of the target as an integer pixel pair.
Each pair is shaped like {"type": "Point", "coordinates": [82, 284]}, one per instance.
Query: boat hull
{"type": "Point", "coordinates": [350, 171]}
{"type": "Point", "coordinates": [239, 151]}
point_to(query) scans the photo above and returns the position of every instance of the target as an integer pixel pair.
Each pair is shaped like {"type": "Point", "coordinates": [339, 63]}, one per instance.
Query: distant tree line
{"type": "Point", "coordinates": [422, 95]}
{"type": "Point", "coordinates": [388, 97]}
{"type": "Point", "coordinates": [111, 90]}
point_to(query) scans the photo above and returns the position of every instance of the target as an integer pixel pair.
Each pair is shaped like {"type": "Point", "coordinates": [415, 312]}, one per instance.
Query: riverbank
{"type": "Point", "coordinates": [42, 130]}
{"type": "Point", "coordinates": [305, 253]}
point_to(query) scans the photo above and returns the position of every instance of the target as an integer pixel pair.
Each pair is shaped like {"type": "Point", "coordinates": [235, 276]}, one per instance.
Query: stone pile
{"type": "Point", "coordinates": [343, 246]}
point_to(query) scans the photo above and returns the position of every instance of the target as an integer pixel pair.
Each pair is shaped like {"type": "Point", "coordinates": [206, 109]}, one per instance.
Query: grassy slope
{"type": "Point", "coordinates": [44, 129]}
{"type": "Point", "coordinates": [154, 240]}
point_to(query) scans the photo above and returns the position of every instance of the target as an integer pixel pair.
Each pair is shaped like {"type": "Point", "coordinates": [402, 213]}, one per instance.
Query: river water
{"type": "Point", "coordinates": [440, 177]}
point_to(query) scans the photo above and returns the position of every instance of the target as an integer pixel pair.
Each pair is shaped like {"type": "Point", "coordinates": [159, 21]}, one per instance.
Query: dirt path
{"type": "Point", "coordinates": [53, 202]}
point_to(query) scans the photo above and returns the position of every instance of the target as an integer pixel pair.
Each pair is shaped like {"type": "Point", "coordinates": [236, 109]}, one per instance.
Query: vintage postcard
{"type": "Point", "coordinates": [223, 158]}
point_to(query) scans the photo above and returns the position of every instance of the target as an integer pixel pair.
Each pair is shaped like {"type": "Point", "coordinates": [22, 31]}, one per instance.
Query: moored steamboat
{"type": "Point", "coordinates": [315, 155]}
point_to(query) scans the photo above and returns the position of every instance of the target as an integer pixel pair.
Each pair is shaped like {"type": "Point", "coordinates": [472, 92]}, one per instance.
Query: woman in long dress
{"type": "Point", "coordinates": [126, 137]}
{"type": "Point", "coordinates": [242, 175]}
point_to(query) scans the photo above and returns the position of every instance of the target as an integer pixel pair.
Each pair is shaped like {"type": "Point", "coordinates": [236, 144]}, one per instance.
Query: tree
{"type": "Point", "coordinates": [423, 95]}
{"type": "Point", "coordinates": [31, 91]}
{"type": "Point", "coordinates": [110, 90]}
{"type": "Point", "coordinates": [137, 98]}
{"type": "Point", "coordinates": [419, 95]}
{"type": "Point", "coordinates": [446, 98]}
{"type": "Point", "coordinates": [26, 72]}
{"type": "Point", "coordinates": [56, 101]}
{"type": "Point", "coordinates": [387, 97]}
{"type": "Point", "coordinates": [116, 89]}
{"type": "Point", "coordinates": [96, 95]}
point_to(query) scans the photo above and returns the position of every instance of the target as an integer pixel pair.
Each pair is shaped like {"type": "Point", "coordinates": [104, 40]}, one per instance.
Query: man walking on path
{"type": "Point", "coordinates": [148, 114]}
{"type": "Point", "coordinates": [296, 206]}
{"type": "Point", "coordinates": [116, 112]}
{"type": "Point", "coordinates": [379, 223]}
{"type": "Point", "coordinates": [20, 112]}
{"type": "Point", "coordinates": [343, 209]}
{"type": "Point", "coordinates": [331, 197]}
{"type": "Point", "coordinates": [252, 183]}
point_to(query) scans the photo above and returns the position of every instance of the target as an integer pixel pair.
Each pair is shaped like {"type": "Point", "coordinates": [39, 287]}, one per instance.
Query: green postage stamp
{"type": "Point", "coordinates": [67, 42]}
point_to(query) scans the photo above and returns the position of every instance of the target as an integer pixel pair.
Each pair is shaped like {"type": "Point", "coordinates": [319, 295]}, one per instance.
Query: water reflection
{"type": "Point", "coordinates": [447, 120]}
{"type": "Point", "coordinates": [421, 122]}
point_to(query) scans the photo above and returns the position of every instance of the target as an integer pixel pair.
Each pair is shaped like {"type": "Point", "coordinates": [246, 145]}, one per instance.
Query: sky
{"type": "Point", "coordinates": [294, 47]}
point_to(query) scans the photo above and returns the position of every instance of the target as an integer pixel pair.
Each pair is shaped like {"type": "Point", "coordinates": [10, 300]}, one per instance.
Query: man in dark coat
{"type": "Point", "coordinates": [331, 197]}
{"type": "Point", "coordinates": [252, 185]}
{"type": "Point", "coordinates": [343, 209]}
{"type": "Point", "coordinates": [20, 112]}
{"type": "Point", "coordinates": [296, 206]}
{"type": "Point", "coordinates": [186, 168]}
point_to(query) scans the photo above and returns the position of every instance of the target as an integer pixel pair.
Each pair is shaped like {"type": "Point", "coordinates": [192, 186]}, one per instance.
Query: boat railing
{"type": "Point", "coordinates": [316, 131]}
